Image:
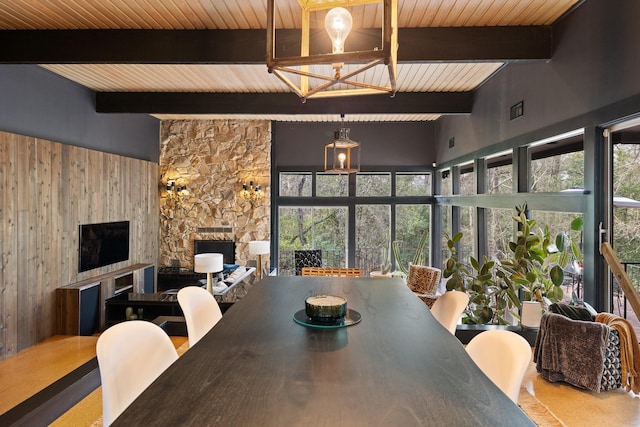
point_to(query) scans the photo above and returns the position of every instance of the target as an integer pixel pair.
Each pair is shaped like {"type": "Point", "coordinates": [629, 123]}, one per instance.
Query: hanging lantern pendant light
{"type": "Point", "coordinates": [342, 155]}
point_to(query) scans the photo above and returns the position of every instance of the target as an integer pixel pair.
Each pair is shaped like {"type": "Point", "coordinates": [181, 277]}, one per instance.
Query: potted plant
{"type": "Point", "coordinates": [385, 264]}
{"type": "Point", "coordinates": [534, 272]}
{"type": "Point", "coordinates": [537, 262]}
{"type": "Point", "coordinates": [490, 298]}
{"type": "Point", "coordinates": [402, 270]}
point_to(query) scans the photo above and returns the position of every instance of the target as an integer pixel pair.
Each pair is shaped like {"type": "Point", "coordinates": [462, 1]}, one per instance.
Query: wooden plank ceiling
{"type": "Point", "coordinates": [209, 59]}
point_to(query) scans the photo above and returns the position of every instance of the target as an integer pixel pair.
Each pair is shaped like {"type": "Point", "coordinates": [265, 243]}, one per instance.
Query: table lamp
{"type": "Point", "coordinates": [208, 263]}
{"type": "Point", "coordinates": [259, 248]}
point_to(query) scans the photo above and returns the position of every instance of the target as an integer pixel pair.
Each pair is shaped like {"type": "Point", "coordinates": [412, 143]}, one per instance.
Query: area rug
{"type": "Point", "coordinates": [537, 411]}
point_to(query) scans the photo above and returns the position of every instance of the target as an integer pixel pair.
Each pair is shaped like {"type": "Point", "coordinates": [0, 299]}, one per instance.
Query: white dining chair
{"type": "Point", "coordinates": [131, 355]}
{"type": "Point", "coordinates": [503, 356]}
{"type": "Point", "coordinates": [449, 307]}
{"type": "Point", "coordinates": [201, 311]}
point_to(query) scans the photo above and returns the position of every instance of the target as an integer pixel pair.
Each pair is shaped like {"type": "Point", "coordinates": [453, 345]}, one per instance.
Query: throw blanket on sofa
{"type": "Point", "coordinates": [629, 350]}
{"type": "Point", "coordinates": [571, 351]}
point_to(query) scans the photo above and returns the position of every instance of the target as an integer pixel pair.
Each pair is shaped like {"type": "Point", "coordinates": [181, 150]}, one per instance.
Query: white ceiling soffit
{"type": "Point", "coordinates": [252, 14]}
{"type": "Point", "coordinates": [319, 118]}
{"type": "Point", "coordinates": [252, 78]}
{"type": "Point", "coordinates": [419, 77]}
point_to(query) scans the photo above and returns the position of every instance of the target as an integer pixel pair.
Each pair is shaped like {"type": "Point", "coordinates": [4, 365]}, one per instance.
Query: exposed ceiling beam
{"type": "Point", "coordinates": [626, 137]}
{"type": "Point", "coordinates": [281, 103]}
{"type": "Point", "coordinates": [465, 44]}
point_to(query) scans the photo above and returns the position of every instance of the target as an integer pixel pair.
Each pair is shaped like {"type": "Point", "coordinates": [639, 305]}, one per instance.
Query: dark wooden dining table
{"type": "Point", "coordinates": [258, 367]}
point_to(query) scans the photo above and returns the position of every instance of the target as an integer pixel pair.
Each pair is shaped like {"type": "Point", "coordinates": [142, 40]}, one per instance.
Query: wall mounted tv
{"type": "Point", "coordinates": [103, 244]}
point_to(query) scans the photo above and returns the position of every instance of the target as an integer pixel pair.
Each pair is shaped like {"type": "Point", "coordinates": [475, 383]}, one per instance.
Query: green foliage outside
{"type": "Point", "coordinates": [626, 221]}
{"type": "Point", "coordinates": [325, 228]}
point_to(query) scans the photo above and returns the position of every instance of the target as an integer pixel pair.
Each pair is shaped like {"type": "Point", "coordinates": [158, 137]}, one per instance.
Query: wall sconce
{"type": "Point", "coordinates": [251, 193]}
{"type": "Point", "coordinates": [175, 193]}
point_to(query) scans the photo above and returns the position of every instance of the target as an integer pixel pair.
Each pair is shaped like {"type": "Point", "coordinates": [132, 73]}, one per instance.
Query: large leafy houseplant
{"type": "Point", "coordinates": [490, 299]}
{"type": "Point", "coordinates": [537, 261]}
{"type": "Point", "coordinates": [533, 271]}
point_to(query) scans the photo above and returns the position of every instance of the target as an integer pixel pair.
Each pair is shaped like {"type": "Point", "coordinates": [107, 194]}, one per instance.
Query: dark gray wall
{"type": "Point", "coordinates": [592, 79]}
{"type": "Point", "coordinates": [591, 82]}
{"type": "Point", "coordinates": [382, 144]}
{"type": "Point", "coordinates": [38, 103]}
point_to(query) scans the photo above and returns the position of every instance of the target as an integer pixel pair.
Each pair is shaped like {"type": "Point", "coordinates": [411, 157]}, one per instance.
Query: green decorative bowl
{"type": "Point", "coordinates": [325, 308]}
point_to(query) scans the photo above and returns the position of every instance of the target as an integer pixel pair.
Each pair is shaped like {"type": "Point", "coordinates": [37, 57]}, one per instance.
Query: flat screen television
{"type": "Point", "coordinates": [103, 244]}
{"type": "Point", "coordinates": [225, 247]}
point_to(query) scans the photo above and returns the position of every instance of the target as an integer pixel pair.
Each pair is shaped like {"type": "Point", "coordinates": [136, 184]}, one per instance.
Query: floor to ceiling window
{"type": "Point", "coordinates": [499, 232]}
{"type": "Point", "coordinates": [499, 173]}
{"type": "Point", "coordinates": [484, 215]}
{"type": "Point", "coordinates": [353, 219]}
{"type": "Point", "coordinates": [499, 225]}
{"type": "Point", "coordinates": [557, 172]}
{"type": "Point", "coordinates": [312, 228]}
{"type": "Point", "coordinates": [373, 225]}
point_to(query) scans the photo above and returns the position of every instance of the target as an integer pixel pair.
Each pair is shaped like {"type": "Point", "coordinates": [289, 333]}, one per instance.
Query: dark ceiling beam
{"type": "Point", "coordinates": [626, 137]}
{"type": "Point", "coordinates": [249, 46]}
{"type": "Point", "coordinates": [532, 43]}
{"type": "Point", "coordinates": [282, 103]}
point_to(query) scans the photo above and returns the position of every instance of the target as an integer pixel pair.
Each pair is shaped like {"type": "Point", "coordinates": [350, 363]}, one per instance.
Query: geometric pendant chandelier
{"type": "Point", "coordinates": [327, 66]}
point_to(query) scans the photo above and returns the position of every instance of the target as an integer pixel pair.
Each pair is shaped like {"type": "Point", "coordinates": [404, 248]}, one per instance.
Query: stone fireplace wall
{"type": "Point", "coordinates": [212, 159]}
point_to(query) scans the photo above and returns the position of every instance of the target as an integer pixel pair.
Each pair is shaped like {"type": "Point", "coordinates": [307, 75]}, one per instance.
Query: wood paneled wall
{"type": "Point", "coordinates": [48, 190]}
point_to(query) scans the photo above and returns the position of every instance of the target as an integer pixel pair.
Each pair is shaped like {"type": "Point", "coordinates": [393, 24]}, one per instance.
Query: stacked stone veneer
{"type": "Point", "coordinates": [213, 158]}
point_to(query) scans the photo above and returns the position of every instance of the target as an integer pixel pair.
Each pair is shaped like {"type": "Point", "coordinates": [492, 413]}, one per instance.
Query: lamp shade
{"type": "Point", "coordinates": [259, 247]}
{"type": "Point", "coordinates": [208, 263]}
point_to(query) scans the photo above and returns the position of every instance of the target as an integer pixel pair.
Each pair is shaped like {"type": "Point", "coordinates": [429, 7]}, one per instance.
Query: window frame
{"type": "Point", "coordinates": [352, 200]}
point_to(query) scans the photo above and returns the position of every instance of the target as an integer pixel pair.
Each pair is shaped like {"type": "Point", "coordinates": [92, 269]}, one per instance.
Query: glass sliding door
{"type": "Point", "coordinates": [624, 202]}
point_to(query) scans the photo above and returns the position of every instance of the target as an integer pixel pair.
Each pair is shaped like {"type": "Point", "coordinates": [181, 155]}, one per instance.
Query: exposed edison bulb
{"type": "Point", "coordinates": [341, 158]}
{"type": "Point", "coordinates": [338, 24]}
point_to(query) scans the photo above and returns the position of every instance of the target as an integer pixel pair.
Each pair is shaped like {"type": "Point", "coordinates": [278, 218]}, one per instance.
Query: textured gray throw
{"type": "Point", "coordinates": [571, 351]}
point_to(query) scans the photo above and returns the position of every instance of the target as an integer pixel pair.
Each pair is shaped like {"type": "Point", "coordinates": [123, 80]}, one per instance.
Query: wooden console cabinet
{"type": "Point", "coordinates": [80, 305]}
{"type": "Point", "coordinates": [158, 308]}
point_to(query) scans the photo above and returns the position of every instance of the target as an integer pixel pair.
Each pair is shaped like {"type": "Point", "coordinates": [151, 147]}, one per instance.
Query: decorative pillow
{"type": "Point", "coordinates": [228, 268]}
{"type": "Point", "coordinates": [307, 258]}
{"type": "Point", "coordinates": [423, 280]}
{"type": "Point", "coordinates": [612, 374]}
{"type": "Point", "coordinates": [219, 287]}
{"type": "Point", "coordinates": [235, 275]}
